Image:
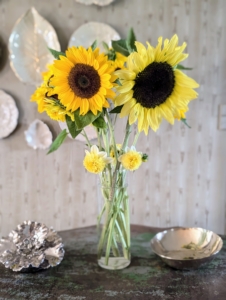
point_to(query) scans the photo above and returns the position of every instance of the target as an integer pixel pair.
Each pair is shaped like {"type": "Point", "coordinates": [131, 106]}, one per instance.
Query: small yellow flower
{"type": "Point", "coordinates": [180, 114]}
{"type": "Point", "coordinates": [118, 148]}
{"type": "Point", "coordinates": [131, 160]}
{"type": "Point", "coordinates": [95, 161]}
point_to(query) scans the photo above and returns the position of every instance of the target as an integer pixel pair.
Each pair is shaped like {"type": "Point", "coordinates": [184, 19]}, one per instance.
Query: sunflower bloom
{"type": "Point", "coordinates": [82, 80]}
{"type": "Point", "coordinates": [131, 160]}
{"type": "Point", "coordinates": [152, 88]}
{"type": "Point", "coordinates": [95, 161]}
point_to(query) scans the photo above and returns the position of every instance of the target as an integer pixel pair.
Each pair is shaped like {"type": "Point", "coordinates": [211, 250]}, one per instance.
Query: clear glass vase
{"type": "Point", "coordinates": [114, 226]}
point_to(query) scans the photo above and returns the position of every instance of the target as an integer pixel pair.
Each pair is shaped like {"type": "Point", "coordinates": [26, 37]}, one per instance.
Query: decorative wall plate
{"type": "Point", "coordinates": [38, 135]}
{"type": "Point", "coordinates": [32, 246]}
{"type": "Point", "coordinates": [28, 47]}
{"type": "Point", "coordinates": [90, 131]}
{"type": "Point", "coordinates": [97, 2]}
{"type": "Point", "coordinates": [86, 34]}
{"type": "Point", "coordinates": [8, 114]}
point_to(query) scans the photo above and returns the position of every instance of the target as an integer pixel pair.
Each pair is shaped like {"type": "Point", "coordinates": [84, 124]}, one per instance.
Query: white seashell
{"type": "Point", "coordinates": [28, 47]}
{"type": "Point", "coordinates": [38, 135]}
{"type": "Point", "coordinates": [90, 132]}
{"type": "Point", "coordinates": [86, 34]}
{"type": "Point", "coordinates": [8, 114]}
{"type": "Point", "coordinates": [97, 2]}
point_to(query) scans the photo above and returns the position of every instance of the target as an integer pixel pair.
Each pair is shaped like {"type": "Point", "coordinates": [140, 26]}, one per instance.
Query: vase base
{"type": "Point", "coordinates": [114, 263]}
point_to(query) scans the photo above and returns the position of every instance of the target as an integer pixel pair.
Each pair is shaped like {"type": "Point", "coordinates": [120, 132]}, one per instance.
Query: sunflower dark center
{"type": "Point", "coordinates": [154, 84]}
{"type": "Point", "coordinates": [84, 80]}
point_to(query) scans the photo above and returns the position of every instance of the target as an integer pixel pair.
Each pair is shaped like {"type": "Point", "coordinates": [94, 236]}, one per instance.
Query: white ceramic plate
{"type": "Point", "coordinates": [97, 2]}
{"type": "Point", "coordinates": [28, 47]}
{"type": "Point", "coordinates": [38, 135]}
{"type": "Point", "coordinates": [86, 34]}
{"type": "Point", "coordinates": [8, 114]}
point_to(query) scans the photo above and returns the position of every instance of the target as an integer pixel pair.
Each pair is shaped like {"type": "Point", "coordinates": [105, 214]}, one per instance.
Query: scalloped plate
{"type": "Point", "coordinates": [97, 2]}
{"type": "Point", "coordinates": [28, 47]}
{"type": "Point", "coordinates": [86, 34]}
{"type": "Point", "coordinates": [8, 114]}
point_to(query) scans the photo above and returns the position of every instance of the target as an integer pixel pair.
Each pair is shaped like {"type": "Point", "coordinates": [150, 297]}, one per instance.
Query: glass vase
{"type": "Point", "coordinates": [114, 225]}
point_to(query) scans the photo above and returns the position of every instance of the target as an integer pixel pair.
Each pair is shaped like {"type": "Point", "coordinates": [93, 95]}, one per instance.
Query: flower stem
{"type": "Point", "coordinates": [86, 137]}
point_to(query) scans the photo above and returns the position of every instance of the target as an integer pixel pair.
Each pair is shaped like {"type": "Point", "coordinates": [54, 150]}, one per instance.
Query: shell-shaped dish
{"type": "Point", "coordinates": [97, 2]}
{"type": "Point", "coordinates": [38, 135]}
{"type": "Point", "coordinates": [29, 41]}
{"type": "Point", "coordinates": [90, 132]}
{"type": "Point", "coordinates": [186, 248]}
{"type": "Point", "coordinates": [31, 246]}
{"type": "Point", "coordinates": [8, 114]}
{"type": "Point", "coordinates": [86, 34]}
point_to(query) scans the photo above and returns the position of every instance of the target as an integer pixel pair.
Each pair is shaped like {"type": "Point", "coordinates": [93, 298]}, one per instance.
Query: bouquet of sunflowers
{"type": "Point", "coordinates": [143, 84]}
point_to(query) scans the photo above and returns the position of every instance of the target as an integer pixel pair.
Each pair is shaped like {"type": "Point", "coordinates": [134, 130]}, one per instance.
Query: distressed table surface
{"type": "Point", "coordinates": [79, 277]}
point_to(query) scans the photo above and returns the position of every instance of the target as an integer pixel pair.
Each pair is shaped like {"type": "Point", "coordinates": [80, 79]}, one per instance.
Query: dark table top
{"type": "Point", "coordinates": [79, 277]}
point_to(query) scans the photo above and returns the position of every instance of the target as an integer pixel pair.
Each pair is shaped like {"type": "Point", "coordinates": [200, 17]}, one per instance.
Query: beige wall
{"type": "Point", "coordinates": [184, 181]}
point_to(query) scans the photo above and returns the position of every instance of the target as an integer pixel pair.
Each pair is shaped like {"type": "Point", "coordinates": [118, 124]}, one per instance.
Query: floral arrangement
{"type": "Point", "coordinates": [143, 84]}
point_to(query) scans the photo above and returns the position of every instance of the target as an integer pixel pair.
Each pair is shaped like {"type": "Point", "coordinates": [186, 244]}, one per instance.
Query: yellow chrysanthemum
{"type": "Point", "coordinates": [56, 111]}
{"type": "Point", "coordinates": [45, 97]}
{"type": "Point", "coordinates": [180, 114]}
{"type": "Point", "coordinates": [95, 161]}
{"type": "Point", "coordinates": [131, 160]}
{"type": "Point", "coordinates": [112, 152]}
{"type": "Point", "coordinates": [119, 62]}
{"type": "Point", "coordinates": [152, 88]}
{"type": "Point", "coordinates": [82, 79]}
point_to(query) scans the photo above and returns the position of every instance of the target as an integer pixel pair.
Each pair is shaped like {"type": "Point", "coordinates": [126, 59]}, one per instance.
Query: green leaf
{"type": "Point", "coordinates": [185, 122]}
{"type": "Point", "coordinates": [56, 54]}
{"type": "Point", "coordinates": [83, 121]}
{"type": "Point", "coordinates": [116, 110]}
{"type": "Point", "coordinates": [94, 45]}
{"type": "Point", "coordinates": [131, 38]}
{"type": "Point", "coordinates": [58, 141]}
{"type": "Point", "coordinates": [72, 127]}
{"type": "Point", "coordinates": [121, 47]}
{"type": "Point", "coordinates": [118, 82]}
{"type": "Point", "coordinates": [100, 122]}
{"type": "Point", "coordinates": [180, 67]}
{"type": "Point", "coordinates": [105, 45]}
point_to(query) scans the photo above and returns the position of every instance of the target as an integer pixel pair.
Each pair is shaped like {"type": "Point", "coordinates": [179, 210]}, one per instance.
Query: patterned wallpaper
{"type": "Point", "coordinates": [182, 184]}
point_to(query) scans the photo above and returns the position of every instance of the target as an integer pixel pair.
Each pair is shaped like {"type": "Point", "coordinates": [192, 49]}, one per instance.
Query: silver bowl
{"type": "Point", "coordinates": [186, 248]}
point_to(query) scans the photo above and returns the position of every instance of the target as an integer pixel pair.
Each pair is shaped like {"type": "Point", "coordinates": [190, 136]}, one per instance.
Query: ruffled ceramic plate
{"type": "Point", "coordinates": [90, 132]}
{"type": "Point", "coordinates": [186, 248]}
{"type": "Point", "coordinates": [38, 135]}
{"type": "Point", "coordinates": [28, 47]}
{"type": "Point", "coordinates": [8, 114]}
{"type": "Point", "coordinates": [97, 2]}
{"type": "Point", "coordinates": [86, 34]}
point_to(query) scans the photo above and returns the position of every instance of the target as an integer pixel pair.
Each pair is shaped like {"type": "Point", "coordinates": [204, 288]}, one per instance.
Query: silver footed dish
{"type": "Point", "coordinates": [32, 246]}
{"type": "Point", "coordinates": [186, 248]}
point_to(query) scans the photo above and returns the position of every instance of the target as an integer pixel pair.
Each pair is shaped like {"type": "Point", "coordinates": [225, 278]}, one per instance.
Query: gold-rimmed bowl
{"type": "Point", "coordinates": [186, 248]}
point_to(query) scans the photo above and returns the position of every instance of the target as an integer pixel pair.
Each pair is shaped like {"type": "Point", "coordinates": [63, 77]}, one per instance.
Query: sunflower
{"type": "Point", "coordinates": [82, 79]}
{"type": "Point", "coordinates": [152, 88]}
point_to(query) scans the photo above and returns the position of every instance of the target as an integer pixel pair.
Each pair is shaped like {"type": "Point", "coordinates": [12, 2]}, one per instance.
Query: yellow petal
{"type": "Point", "coordinates": [126, 87]}
{"type": "Point", "coordinates": [123, 98]}
{"type": "Point", "coordinates": [127, 108]}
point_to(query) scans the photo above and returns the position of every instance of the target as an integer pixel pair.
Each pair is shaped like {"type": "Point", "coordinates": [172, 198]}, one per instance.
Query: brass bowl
{"type": "Point", "coordinates": [186, 248]}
